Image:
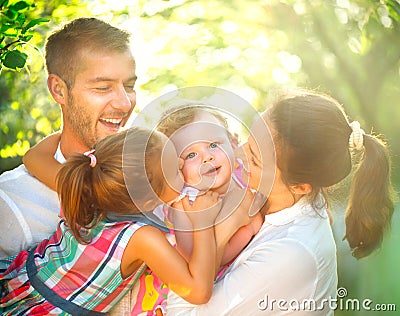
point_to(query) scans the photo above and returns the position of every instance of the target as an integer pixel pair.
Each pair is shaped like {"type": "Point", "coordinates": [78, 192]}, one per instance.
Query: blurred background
{"type": "Point", "coordinates": [349, 49]}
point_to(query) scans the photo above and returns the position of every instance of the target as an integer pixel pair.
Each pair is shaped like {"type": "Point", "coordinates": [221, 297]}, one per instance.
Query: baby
{"type": "Point", "coordinates": [207, 162]}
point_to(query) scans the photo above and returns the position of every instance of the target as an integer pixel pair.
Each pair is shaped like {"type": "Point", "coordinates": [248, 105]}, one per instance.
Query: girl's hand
{"type": "Point", "coordinates": [204, 210]}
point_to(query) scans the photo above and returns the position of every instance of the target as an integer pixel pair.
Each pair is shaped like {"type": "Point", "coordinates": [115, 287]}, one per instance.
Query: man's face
{"type": "Point", "coordinates": [102, 97]}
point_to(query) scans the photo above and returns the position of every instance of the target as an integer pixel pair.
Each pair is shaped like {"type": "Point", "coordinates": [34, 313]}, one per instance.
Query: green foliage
{"type": "Point", "coordinates": [346, 48]}
{"type": "Point", "coordinates": [15, 32]}
{"type": "Point", "coordinates": [27, 111]}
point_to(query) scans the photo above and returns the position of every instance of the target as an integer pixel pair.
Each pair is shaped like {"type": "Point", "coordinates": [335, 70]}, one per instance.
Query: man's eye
{"type": "Point", "coordinates": [130, 88]}
{"type": "Point", "coordinates": [191, 156]}
{"type": "Point", "coordinates": [102, 89]}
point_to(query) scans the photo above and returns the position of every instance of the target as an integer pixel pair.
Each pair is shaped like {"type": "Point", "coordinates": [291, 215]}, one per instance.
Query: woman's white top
{"type": "Point", "coordinates": [288, 268]}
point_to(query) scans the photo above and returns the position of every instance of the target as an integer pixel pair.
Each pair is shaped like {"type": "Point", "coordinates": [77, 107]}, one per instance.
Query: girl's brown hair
{"type": "Point", "coordinates": [88, 193]}
{"type": "Point", "coordinates": [311, 134]}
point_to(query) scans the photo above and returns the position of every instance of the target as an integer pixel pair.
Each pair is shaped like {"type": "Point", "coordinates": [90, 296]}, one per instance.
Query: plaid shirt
{"type": "Point", "coordinates": [86, 275]}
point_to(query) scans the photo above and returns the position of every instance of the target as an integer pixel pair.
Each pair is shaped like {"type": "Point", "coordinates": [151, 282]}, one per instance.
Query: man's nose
{"type": "Point", "coordinates": [124, 101]}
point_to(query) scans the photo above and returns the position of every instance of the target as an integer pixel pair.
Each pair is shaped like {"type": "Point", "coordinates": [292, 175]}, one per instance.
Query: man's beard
{"type": "Point", "coordinates": [81, 122]}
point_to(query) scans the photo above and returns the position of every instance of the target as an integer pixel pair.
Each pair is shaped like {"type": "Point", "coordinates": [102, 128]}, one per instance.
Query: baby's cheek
{"type": "Point", "coordinates": [190, 172]}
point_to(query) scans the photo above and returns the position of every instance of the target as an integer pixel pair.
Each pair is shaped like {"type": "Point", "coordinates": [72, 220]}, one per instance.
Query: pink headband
{"type": "Point", "coordinates": [92, 157]}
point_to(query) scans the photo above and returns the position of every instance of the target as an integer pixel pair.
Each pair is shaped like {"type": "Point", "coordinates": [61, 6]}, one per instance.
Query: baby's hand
{"type": "Point", "coordinates": [203, 211]}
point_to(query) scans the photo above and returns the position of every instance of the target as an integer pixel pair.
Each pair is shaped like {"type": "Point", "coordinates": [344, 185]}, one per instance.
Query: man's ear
{"type": "Point", "coordinates": [303, 188]}
{"type": "Point", "coordinates": [58, 88]}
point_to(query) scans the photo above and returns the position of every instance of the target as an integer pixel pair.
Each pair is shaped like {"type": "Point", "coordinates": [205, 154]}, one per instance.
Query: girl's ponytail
{"type": "Point", "coordinates": [75, 190]}
{"type": "Point", "coordinates": [371, 204]}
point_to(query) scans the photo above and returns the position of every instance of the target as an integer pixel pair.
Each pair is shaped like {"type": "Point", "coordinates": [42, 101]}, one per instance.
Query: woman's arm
{"type": "Point", "coordinates": [39, 160]}
{"type": "Point", "coordinates": [192, 280]}
{"type": "Point", "coordinates": [241, 238]}
{"type": "Point", "coordinates": [234, 215]}
{"type": "Point", "coordinates": [262, 275]}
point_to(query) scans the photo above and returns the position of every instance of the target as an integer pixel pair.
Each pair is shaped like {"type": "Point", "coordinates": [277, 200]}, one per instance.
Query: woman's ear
{"type": "Point", "coordinates": [303, 188]}
{"type": "Point", "coordinates": [57, 88]}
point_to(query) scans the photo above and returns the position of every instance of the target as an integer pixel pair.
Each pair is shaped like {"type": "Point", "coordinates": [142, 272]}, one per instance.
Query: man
{"type": "Point", "coordinates": [91, 75]}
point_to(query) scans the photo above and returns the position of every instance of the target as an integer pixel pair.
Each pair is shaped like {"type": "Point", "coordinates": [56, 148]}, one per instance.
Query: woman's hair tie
{"type": "Point", "coordinates": [92, 157]}
{"type": "Point", "coordinates": [356, 139]}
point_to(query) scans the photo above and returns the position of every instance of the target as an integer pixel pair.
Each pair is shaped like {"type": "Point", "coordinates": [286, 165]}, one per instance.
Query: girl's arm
{"type": "Point", "coordinates": [192, 280]}
{"type": "Point", "coordinates": [183, 230]}
{"type": "Point", "coordinates": [39, 160]}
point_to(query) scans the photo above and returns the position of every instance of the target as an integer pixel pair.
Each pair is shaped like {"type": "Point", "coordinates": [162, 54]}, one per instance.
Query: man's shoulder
{"type": "Point", "coordinates": [17, 176]}
{"type": "Point", "coordinates": [14, 174]}
{"type": "Point", "coordinates": [20, 182]}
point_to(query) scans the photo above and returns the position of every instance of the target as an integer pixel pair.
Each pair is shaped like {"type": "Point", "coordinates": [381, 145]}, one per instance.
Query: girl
{"type": "Point", "coordinates": [92, 260]}
{"type": "Point", "coordinates": [291, 262]}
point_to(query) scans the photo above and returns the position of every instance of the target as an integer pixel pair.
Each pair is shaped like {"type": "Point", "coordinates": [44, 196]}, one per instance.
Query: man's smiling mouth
{"type": "Point", "coordinates": [114, 123]}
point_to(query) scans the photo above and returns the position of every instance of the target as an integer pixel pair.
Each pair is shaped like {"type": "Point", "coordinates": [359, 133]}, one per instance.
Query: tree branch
{"type": "Point", "coordinates": [8, 45]}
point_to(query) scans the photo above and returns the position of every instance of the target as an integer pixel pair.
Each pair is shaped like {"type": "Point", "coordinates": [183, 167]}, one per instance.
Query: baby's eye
{"type": "Point", "coordinates": [191, 156]}
{"type": "Point", "coordinates": [213, 145]}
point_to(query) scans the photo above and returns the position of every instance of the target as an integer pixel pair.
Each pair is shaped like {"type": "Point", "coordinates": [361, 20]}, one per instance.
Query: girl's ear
{"type": "Point", "coordinates": [181, 163]}
{"type": "Point", "coordinates": [303, 188]}
{"type": "Point", "coordinates": [57, 88]}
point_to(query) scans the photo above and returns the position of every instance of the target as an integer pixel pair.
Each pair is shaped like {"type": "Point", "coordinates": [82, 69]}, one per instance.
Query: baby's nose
{"type": "Point", "coordinates": [208, 158]}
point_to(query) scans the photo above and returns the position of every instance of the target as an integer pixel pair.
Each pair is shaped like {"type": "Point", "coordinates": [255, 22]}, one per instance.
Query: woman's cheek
{"type": "Point", "coordinates": [254, 177]}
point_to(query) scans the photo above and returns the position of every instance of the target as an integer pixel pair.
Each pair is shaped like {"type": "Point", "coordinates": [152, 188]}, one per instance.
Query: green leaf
{"type": "Point", "coordinates": [5, 26]}
{"type": "Point", "coordinates": [25, 38]}
{"type": "Point", "coordinates": [21, 19]}
{"type": "Point", "coordinates": [394, 10]}
{"type": "Point", "coordinates": [33, 23]}
{"type": "Point", "coordinates": [12, 32]}
{"type": "Point", "coordinates": [20, 5]}
{"type": "Point", "coordinates": [5, 4]}
{"type": "Point", "coordinates": [11, 14]}
{"type": "Point", "coordinates": [15, 59]}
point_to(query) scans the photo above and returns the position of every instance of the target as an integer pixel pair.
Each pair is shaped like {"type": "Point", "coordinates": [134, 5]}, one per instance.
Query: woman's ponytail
{"type": "Point", "coordinates": [371, 204]}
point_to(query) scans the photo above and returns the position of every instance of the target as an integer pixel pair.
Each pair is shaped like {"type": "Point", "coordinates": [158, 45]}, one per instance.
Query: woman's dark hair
{"type": "Point", "coordinates": [311, 134]}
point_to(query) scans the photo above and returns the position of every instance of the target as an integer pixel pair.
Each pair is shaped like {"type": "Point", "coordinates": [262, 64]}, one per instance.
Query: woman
{"type": "Point", "coordinates": [290, 265]}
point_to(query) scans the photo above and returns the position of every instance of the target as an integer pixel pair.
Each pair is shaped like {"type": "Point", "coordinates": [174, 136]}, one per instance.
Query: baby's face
{"type": "Point", "coordinates": [206, 152]}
